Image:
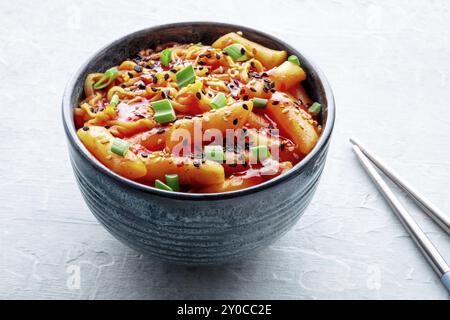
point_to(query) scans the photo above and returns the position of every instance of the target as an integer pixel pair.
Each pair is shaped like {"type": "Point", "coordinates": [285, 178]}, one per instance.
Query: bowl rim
{"type": "Point", "coordinates": [70, 129]}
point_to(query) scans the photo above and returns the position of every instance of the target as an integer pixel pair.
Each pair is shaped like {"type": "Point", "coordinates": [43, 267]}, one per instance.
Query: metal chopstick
{"type": "Point", "coordinates": [426, 246]}
{"type": "Point", "coordinates": [435, 213]}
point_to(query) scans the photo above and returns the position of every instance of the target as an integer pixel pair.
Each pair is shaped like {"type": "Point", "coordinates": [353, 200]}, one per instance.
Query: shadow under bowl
{"type": "Point", "coordinates": [195, 228]}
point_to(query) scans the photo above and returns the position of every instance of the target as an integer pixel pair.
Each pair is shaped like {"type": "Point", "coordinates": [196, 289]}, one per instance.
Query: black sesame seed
{"type": "Point", "coordinates": [201, 63]}
{"type": "Point", "coordinates": [196, 163]}
{"type": "Point", "coordinates": [173, 70]}
{"type": "Point", "coordinates": [130, 74]}
{"type": "Point", "coordinates": [154, 89]}
{"type": "Point", "coordinates": [209, 56]}
{"type": "Point", "coordinates": [235, 121]}
{"type": "Point", "coordinates": [160, 130]}
{"type": "Point", "coordinates": [137, 68]}
{"type": "Point", "coordinates": [217, 56]}
{"type": "Point", "coordinates": [163, 95]}
{"type": "Point", "coordinates": [85, 128]}
{"type": "Point", "coordinates": [245, 97]}
{"type": "Point", "coordinates": [242, 51]}
{"type": "Point", "coordinates": [166, 77]}
{"type": "Point", "coordinates": [245, 108]}
{"type": "Point", "coordinates": [107, 127]}
{"type": "Point", "coordinates": [224, 53]}
{"type": "Point", "coordinates": [274, 103]}
{"type": "Point", "coordinates": [252, 64]}
{"type": "Point", "coordinates": [198, 95]}
{"type": "Point", "coordinates": [144, 155]}
{"type": "Point", "coordinates": [155, 79]}
{"type": "Point", "coordinates": [201, 55]}
{"type": "Point", "coordinates": [188, 117]}
{"type": "Point", "coordinates": [141, 86]}
{"type": "Point", "coordinates": [252, 89]}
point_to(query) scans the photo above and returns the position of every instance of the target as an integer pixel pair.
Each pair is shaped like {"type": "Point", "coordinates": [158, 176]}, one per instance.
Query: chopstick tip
{"type": "Point", "coordinates": [353, 141]}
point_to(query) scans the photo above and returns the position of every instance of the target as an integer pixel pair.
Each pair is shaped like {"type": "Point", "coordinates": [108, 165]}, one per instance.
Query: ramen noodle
{"type": "Point", "coordinates": [200, 118]}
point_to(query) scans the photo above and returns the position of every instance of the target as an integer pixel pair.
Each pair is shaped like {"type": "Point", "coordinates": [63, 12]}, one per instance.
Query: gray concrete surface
{"type": "Point", "coordinates": [388, 63]}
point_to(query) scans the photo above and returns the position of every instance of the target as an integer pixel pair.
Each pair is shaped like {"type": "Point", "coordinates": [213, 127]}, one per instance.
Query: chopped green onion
{"type": "Point", "coordinates": [114, 101]}
{"type": "Point", "coordinates": [119, 147]}
{"type": "Point", "coordinates": [259, 102]}
{"type": "Point", "coordinates": [161, 185]}
{"type": "Point", "coordinates": [260, 152]}
{"type": "Point", "coordinates": [315, 109]}
{"type": "Point", "coordinates": [214, 153]}
{"type": "Point", "coordinates": [185, 76]}
{"type": "Point", "coordinates": [109, 76]}
{"type": "Point", "coordinates": [294, 59]}
{"type": "Point", "coordinates": [165, 116]}
{"type": "Point", "coordinates": [164, 111]}
{"type": "Point", "coordinates": [219, 101]}
{"type": "Point", "coordinates": [173, 181]}
{"type": "Point", "coordinates": [236, 52]}
{"type": "Point", "coordinates": [166, 57]}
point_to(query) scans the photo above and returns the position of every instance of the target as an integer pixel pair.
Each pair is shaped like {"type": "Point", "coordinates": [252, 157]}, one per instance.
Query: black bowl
{"type": "Point", "coordinates": [195, 228]}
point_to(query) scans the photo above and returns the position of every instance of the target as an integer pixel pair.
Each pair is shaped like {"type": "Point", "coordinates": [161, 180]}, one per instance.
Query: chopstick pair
{"type": "Point", "coordinates": [368, 160]}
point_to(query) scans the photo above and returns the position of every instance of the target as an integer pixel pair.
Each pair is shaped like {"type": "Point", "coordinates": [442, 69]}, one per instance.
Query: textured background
{"type": "Point", "coordinates": [388, 63]}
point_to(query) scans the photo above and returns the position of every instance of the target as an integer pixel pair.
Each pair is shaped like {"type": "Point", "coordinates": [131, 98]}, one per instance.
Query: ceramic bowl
{"type": "Point", "coordinates": [195, 228]}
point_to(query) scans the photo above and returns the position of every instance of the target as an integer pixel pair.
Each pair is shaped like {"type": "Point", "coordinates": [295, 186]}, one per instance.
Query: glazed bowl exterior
{"type": "Point", "coordinates": [194, 228]}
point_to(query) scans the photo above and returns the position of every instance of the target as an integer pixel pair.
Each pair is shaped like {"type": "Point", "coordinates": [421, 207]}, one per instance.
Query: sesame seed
{"type": "Point", "coordinates": [85, 128]}
{"type": "Point", "coordinates": [235, 121]}
{"type": "Point", "coordinates": [166, 76]}
{"type": "Point", "coordinates": [198, 95]}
